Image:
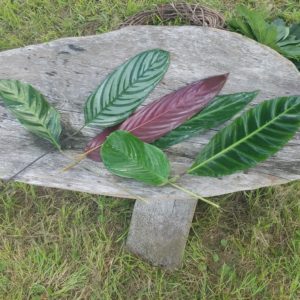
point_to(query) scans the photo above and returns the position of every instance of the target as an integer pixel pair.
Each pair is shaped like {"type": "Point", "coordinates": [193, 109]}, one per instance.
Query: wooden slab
{"type": "Point", "coordinates": [67, 70]}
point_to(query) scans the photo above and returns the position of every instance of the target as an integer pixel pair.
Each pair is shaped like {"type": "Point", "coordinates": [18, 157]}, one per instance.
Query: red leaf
{"type": "Point", "coordinates": [96, 142]}
{"type": "Point", "coordinates": [163, 115]}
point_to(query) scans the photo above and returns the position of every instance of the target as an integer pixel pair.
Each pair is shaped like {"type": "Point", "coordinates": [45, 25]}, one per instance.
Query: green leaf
{"type": "Point", "coordinates": [291, 41]}
{"type": "Point", "coordinates": [30, 107]}
{"type": "Point", "coordinates": [291, 51]}
{"type": "Point", "coordinates": [125, 155]}
{"type": "Point", "coordinates": [239, 25]}
{"type": "Point", "coordinates": [283, 39]}
{"type": "Point", "coordinates": [220, 110]}
{"type": "Point", "coordinates": [297, 64]}
{"type": "Point", "coordinates": [283, 31]}
{"type": "Point", "coordinates": [290, 47]}
{"type": "Point", "coordinates": [126, 88]}
{"type": "Point", "coordinates": [251, 138]}
{"type": "Point", "coordinates": [252, 24]}
{"type": "Point", "coordinates": [295, 30]}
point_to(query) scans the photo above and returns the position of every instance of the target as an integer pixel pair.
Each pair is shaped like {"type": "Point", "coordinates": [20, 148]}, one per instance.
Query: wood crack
{"type": "Point", "coordinates": [26, 167]}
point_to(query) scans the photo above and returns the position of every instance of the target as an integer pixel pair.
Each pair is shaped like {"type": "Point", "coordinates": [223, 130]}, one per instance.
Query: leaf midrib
{"type": "Point", "coordinates": [240, 141]}
{"type": "Point", "coordinates": [118, 95]}
{"type": "Point", "coordinates": [26, 105]}
{"type": "Point", "coordinates": [122, 154]}
{"type": "Point", "coordinates": [158, 116]}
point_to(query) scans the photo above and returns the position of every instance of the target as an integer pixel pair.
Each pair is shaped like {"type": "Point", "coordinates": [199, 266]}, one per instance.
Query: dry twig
{"type": "Point", "coordinates": [194, 14]}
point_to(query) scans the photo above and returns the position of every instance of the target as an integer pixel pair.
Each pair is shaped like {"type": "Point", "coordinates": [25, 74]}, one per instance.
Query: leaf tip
{"type": "Point", "coordinates": [256, 92]}
{"type": "Point", "coordinates": [226, 74]}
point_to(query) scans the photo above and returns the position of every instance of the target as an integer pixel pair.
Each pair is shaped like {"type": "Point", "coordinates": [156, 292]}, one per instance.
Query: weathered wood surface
{"type": "Point", "coordinates": [67, 70]}
{"type": "Point", "coordinates": [159, 230]}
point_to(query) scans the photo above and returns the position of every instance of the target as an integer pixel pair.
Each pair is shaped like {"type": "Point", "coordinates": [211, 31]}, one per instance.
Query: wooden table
{"type": "Point", "coordinates": [67, 70]}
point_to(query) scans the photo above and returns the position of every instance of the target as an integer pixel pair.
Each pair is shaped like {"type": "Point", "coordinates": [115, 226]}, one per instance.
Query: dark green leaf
{"type": "Point", "coordinates": [297, 64]}
{"type": "Point", "coordinates": [291, 41]}
{"type": "Point", "coordinates": [295, 30]}
{"type": "Point", "coordinates": [283, 31]}
{"type": "Point", "coordinates": [32, 110]}
{"type": "Point", "coordinates": [251, 138]}
{"type": "Point", "coordinates": [126, 88]}
{"type": "Point", "coordinates": [290, 48]}
{"type": "Point", "coordinates": [291, 51]}
{"type": "Point", "coordinates": [220, 110]}
{"type": "Point", "coordinates": [125, 155]}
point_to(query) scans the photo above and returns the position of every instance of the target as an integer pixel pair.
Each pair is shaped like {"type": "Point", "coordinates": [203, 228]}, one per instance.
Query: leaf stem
{"type": "Point", "coordinates": [79, 158]}
{"type": "Point", "coordinates": [71, 165]}
{"type": "Point", "coordinates": [194, 195]}
{"type": "Point", "coordinates": [54, 142]}
{"type": "Point", "coordinates": [72, 135]}
{"type": "Point", "coordinates": [84, 154]}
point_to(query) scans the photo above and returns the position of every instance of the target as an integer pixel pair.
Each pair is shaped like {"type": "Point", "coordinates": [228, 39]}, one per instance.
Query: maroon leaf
{"type": "Point", "coordinates": [92, 148]}
{"type": "Point", "coordinates": [161, 116]}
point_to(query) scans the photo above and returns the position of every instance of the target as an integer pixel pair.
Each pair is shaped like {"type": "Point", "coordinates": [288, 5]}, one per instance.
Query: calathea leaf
{"type": "Point", "coordinates": [251, 138]}
{"type": "Point", "coordinates": [30, 107]}
{"type": "Point", "coordinates": [161, 116]}
{"type": "Point", "coordinates": [221, 109]}
{"type": "Point", "coordinates": [125, 155]}
{"type": "Point", "coordinates": [126, 88]}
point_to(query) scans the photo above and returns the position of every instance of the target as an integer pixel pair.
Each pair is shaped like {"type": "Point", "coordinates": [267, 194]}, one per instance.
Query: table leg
{"type": "Point", "coordinates": [159, 230]}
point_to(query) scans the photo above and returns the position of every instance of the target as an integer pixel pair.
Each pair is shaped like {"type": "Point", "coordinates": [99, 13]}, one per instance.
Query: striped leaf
{"type": "Point", "coordinates": [31, 108]}
{"type": "Point", "coordinates": [163, 115]}
{"type": "Point", "coordinates": [126, 88]}
{"type": "Point", "coordinates": [125, 155]}
{"type": "Point", "coordinates": [253, 137]}
{"type": "Point", "coordinates": [220, 110]}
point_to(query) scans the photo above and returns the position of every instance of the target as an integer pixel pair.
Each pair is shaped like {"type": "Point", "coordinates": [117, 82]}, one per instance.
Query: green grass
{"type": "Point", "coordinates": [24, 22]}
{"type": "Point", "coordinates": [62, 245]}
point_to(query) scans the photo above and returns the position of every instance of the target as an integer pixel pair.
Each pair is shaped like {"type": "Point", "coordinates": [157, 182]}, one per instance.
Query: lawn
{"type": "Point", "coordinates": [56, 244]}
